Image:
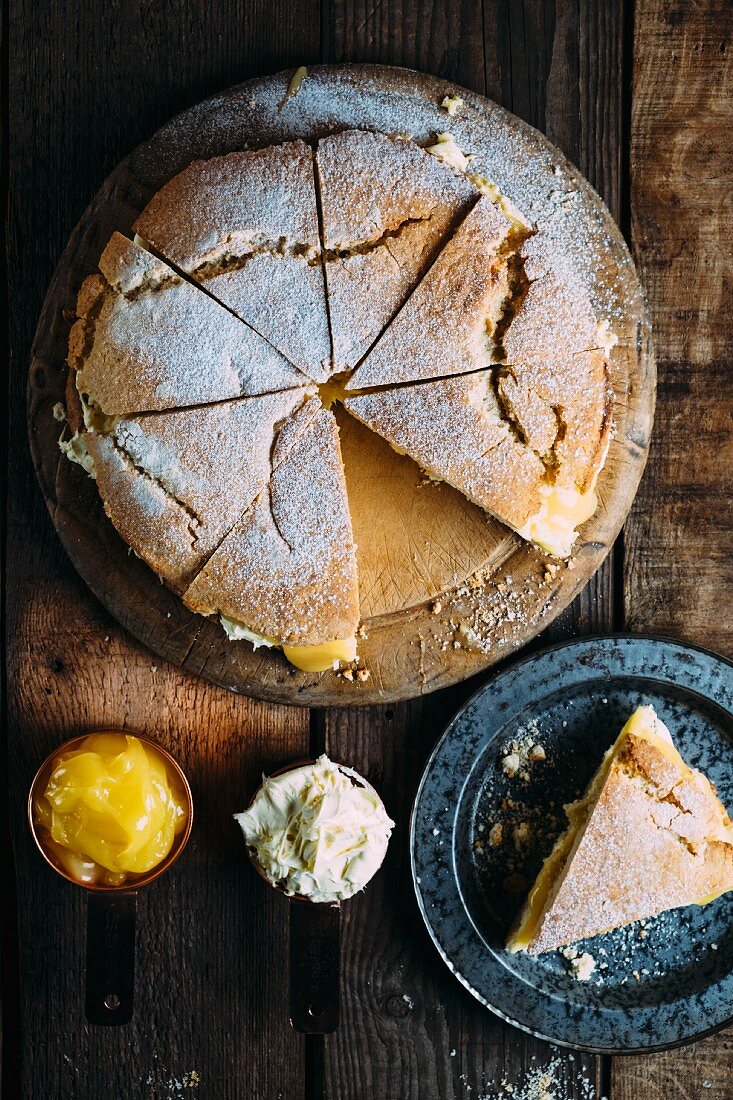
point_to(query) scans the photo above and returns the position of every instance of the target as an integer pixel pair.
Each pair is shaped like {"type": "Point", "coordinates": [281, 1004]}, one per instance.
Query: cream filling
{"type": "Point", "coordinates": [75, 450]}
{"type": "Point", "coordinates": [509, 210]}
{"type": "Point", "coordinates": [447, 151]}
{"type": "Point", "coordinates": [606, 337]}
{"type": "Point", "coordinates": [643, 723]}
{"type": "Point", "coordinates": [318, 831]}
{"type": "Point", "coordinates": [94, 419]}
{"type": "Point", "coordinates": [308, 658]}
{"type": "Point", "coordinates": [553, 527]}
{"type": "Point", "coordinates": [563, 509]}
{"type": "Point", "coordinates": [238, 632]}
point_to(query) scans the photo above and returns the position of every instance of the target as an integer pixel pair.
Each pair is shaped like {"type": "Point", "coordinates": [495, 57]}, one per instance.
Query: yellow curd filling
{"type": "Point", "coordinates": [319, 658]}
{"type": "Point", "coordinates": [110, 809]}
{"type": "Point", "coordinates": [563, 509]}
{"type": "Point", "coordinates": [308, 658]}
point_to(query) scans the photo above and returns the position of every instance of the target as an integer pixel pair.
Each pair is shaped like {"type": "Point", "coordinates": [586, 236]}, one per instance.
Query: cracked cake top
{"type": "Point", "coordinates": [471, 341]}
{"type": "Point", "coordinates": [246, 227]}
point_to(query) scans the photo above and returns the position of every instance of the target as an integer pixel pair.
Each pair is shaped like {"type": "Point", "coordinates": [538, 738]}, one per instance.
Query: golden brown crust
{"type": "Point", "coordinates": [445, 328]}
{"type": "Point", "coordinates": [246, 227]}
{"type": "Point", "coordinates": [387, 207]}
{"type": "Point", "coordinates": [454, 429]}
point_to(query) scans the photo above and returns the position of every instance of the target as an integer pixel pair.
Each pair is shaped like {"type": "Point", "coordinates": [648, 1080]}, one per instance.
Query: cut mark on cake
{"type": "Point", "coordinates": [194, 520]}
{"type": "Point", "coordinates": [200, 286]}
{"type": "Point", "coordinates": [344, 251]}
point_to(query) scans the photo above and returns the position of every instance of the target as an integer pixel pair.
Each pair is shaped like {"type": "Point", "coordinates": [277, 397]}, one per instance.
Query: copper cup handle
{"type": "Point", "coordinates": [110, 969]}
{"type": "Point", "coordinates": [315, 942]}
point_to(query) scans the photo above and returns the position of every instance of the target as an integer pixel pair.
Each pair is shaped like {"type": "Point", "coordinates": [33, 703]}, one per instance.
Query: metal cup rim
{"type": "Point", "coordinates": [134, 882]}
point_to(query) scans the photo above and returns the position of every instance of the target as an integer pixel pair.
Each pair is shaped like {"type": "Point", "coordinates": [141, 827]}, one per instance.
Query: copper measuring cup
{"type": "Point", "coordinates": [111, 910]}
{"type": "Point", "coordinates": [315, 942]}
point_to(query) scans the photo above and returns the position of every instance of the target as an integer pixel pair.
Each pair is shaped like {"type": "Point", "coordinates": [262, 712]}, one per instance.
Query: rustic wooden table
{"type": "Point", "coordinates": [87, 82]}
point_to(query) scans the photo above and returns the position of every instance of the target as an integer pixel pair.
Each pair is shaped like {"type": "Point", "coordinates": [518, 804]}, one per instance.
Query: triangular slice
{"type": "Point", "coordinates": [387, 206]}
{"type": "Point", "coordinates": [649, 834]}
{"type": "Point", "coordinates": [146, 340]}
{"type": "Point", "coordinates": [174, 483]}
{"type": "Point", "coordinates": [458, 430]}
{"type": "Point", "coordinates": [246, 227]}
{"type": "Point", "coordinates": [286, 573]}
{"type": "Point", "coordinates": [447, 325]}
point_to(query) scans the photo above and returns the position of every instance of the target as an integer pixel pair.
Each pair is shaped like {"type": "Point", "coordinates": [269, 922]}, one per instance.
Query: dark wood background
{"type": "Point", "coordinates": [640, 97]}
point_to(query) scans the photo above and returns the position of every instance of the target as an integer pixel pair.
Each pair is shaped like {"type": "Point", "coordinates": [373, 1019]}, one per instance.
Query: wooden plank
{"type": "Point", "coordinates": [679, 572]}
{"type": "Point", "coordinates": [408, 1029]}
{"type": "Point", "coordinates": [679, 568]}
{"type": "Point", "coordinates": [85, 86]}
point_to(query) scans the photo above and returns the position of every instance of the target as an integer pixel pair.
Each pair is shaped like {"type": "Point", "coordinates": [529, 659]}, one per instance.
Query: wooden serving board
{"type": "Point", "coordinates": [431, 564]}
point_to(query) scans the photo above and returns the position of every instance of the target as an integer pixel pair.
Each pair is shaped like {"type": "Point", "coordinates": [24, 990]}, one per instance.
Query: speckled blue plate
{"type": "Point", "coordinates": [657, 983]}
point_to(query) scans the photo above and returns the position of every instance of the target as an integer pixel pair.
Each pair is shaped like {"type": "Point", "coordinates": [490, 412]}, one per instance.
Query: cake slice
{"type": "Point", "coordinates": [460, 430]}
{"type": "Point", "coordinates": [147, 340]}
{"type": "Point", "coordinates": [387, 206]}
{"type": "Point", "coordinates": [649, 834]}
{"type": "Point", "coordinates": [448, 324]}
{"type": "Point", "coordinates": [246, 227]}
{"type": "Point", "coordinates": [286, 573]}
{"type": "Point", "coordinates": [174, 483]}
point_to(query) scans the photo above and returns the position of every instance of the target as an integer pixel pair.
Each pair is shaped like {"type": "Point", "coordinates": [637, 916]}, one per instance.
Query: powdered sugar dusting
{"type": "Point", "coordinates": [387, 207]}
{"type": "Point", "coordinates": [288, 568]}
{"type": "Point", "coordinates": [454, 429]}
{"type": "Point", "coordinates": [174, 346]}
{"type": "Point", "coordinates": [174, 483]}
{"type": "Point", "coordinates": [442, 329]}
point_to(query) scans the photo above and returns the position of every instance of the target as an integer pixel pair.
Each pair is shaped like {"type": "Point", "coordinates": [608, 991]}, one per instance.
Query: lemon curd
{"type": "Point", "coordinates": [110, 810]}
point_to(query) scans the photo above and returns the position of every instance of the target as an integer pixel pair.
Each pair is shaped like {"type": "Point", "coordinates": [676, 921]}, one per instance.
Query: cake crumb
{"type": "Point", "coordinates": [496, 834]}
{"type": "Point", "coordinates": [294, 86]}
{"type": "Point", "coordinates": [363, 674]}
{"type": "Point", "coordinates": [510, 764]}
{"type": "Point", "coordinates": [452, 104]}
{"type": "Point", "coordinates": [59, 411]}
{"type": "Point", "coordinates": [537, 752]}
{"type": "Point", "coordinates": [582, 966]}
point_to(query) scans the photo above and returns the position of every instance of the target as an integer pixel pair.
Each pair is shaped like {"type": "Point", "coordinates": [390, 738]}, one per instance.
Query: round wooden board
{"type": "Point", "coordinates": [416, 541]}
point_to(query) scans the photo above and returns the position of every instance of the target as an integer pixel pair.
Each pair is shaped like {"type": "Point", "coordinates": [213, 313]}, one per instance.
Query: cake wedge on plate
{"type": "Point", "coordinates": [649, 834]}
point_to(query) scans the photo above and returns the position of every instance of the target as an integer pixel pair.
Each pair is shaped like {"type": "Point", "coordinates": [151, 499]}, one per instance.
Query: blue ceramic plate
{"type": "Point", "coordinates": [657, 983]}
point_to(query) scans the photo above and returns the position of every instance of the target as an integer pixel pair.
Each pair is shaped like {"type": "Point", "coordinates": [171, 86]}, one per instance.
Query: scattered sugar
{"type": "Point", "coordinates": [548, 1081]}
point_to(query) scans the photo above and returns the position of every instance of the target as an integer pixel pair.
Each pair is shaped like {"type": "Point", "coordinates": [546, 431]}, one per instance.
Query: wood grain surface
{"type": "Point", "coordinates": [87, 84]}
